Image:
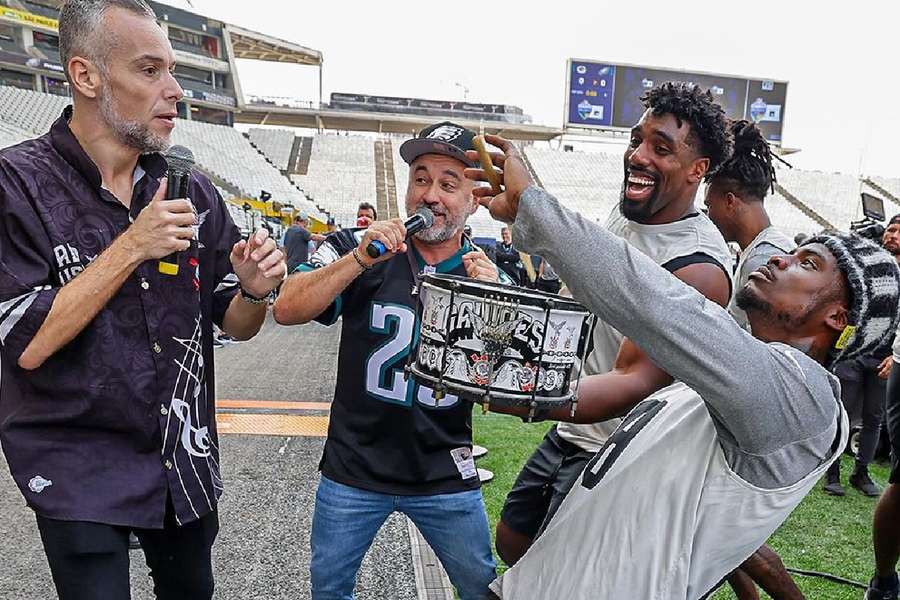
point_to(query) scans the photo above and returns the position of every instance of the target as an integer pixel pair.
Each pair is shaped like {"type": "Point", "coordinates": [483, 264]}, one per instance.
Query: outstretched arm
{"type": "Point", "coordinates": [306, 295]}
{"type": "Point", "coordinates": [747, 384]}
{"type": "Point", "coordinates": [634, 376]}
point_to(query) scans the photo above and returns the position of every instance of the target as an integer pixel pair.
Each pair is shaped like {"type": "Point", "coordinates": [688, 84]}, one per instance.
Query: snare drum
{"type": "Point", "coordinates": [498, 344]}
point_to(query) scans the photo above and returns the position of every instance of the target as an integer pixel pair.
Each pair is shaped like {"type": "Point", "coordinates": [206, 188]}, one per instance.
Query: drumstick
{"type": "Point", "coordinates": [487, 164]}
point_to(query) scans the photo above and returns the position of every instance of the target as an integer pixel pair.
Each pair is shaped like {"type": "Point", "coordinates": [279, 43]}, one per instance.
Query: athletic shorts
{"type": "Point", "coordinates": [892, 402]}
{"type": "Point", "coordinates": [543, 483]}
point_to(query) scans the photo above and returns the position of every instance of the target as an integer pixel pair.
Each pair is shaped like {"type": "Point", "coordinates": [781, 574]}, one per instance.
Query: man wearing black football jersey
{"type": "Point", "coordinates": [391, 446]}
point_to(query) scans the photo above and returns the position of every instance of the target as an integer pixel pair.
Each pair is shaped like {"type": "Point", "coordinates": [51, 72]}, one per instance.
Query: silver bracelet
{"type": "Point", "coordinates": [251, 299]}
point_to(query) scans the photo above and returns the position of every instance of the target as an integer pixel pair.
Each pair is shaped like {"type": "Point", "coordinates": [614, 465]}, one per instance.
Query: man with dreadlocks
{"type": "Point", "coordinates": [734, 199]}
{"type": "Point", "coordinates": [682, 135]}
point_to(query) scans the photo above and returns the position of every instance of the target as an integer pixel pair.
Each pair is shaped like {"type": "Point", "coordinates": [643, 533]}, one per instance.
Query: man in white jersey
{"type": "Point", "coordinates": [734, 199]}
{"type": "Point", "coordinates": [699, 475]}
{"type": "Point", "coordinates": [682, 136]}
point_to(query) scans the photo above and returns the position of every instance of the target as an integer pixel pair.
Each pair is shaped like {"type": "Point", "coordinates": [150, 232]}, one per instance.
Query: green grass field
{"type": "Point", "coordinates": [824, 533]}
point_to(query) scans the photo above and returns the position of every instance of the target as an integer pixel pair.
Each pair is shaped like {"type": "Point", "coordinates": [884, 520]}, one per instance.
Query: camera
{"type": "Point", "coordinates": [870, 226]}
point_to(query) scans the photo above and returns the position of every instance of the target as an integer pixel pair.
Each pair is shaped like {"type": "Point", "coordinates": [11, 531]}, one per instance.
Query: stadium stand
{"type": "Point", "coordinates": [275, 144]}
{"type": "Point", "coordinates": [401, 174]}
{"type": "Point", "coordinates": [788, 218]}
{"type": "Point", "coordinates": [341, 174]}
{"type": "Point", "coordinates": [225, 153]}
{"type": "Point", "coordinates": [589, 183]}
{"type": "Point", "coordinates": [834, 196]}
{"type": "Point", "coordinates": [11, 135]}
{"type": "Point", "coordinates": [31, 111]}
{"type": "Point", "coordinates": [221, 151]}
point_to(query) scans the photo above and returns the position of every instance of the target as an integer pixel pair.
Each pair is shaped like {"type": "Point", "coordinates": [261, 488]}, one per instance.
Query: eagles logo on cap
{"type": "Point", "coordinates": [445, 132]}
{"type": "Point", "coordinates": [444, 138]}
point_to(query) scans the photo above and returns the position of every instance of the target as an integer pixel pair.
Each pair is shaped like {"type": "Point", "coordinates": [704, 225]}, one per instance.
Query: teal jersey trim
{"type": "Point", "coordinates": [330, 315]}
{"type": "Point", "coordinates": [445, 266]}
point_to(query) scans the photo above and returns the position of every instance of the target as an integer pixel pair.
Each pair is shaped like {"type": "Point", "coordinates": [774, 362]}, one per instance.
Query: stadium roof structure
{"type": "Point", "coordinates": [347, 120]}
{"type": "Point", "coordinates": [259, 46]}
{"type": "Point", "coordinates": [245, 43]}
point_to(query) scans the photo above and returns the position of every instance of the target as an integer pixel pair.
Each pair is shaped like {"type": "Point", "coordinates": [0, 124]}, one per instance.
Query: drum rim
{"type": "Point", "coordinates": [477, 393]}
{"type": "Point", "coordinates": [535, 298]}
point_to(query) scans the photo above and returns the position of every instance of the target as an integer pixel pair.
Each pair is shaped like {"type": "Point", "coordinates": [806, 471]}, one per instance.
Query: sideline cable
{"type": "Point", "coordinates": [829, 577]}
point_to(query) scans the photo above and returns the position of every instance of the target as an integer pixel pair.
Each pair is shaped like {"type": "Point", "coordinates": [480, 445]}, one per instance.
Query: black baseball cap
{"type": "Point", "coordinates": [444, 138]}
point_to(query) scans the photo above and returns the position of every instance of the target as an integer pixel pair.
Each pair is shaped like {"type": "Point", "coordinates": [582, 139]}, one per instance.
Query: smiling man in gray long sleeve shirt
{"type": "Point", "coordinates": [700, 474]}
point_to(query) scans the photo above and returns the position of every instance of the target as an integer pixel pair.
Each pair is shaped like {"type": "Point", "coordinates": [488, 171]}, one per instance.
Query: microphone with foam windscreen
{"type": "Point", "coordinates": [423, 219]}
{"type": "Point", "coordinates": [181, 161]}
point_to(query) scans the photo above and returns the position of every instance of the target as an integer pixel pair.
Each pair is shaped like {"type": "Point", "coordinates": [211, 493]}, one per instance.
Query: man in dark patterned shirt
{"type": "Point", "coordinates": [107, 415]}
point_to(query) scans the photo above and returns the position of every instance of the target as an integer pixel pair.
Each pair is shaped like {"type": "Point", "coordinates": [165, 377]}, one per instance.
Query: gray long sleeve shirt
{"type": "Point", "coordinates": [775, 409]}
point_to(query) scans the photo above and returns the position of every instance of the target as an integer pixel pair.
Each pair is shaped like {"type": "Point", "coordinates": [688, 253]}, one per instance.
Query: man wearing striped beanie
{"type": "Point", "coordinates": [701, 473]}
{"type": "Point", "coordinates": [871, 275]}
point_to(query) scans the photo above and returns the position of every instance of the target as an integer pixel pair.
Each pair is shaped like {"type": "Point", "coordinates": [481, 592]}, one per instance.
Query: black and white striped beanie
{"type": "Point", "coordinates": [873, 281]}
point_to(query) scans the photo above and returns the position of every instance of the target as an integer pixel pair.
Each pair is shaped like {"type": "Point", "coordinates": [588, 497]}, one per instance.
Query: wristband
{"type": "Point", "coordinates": [251, 299]}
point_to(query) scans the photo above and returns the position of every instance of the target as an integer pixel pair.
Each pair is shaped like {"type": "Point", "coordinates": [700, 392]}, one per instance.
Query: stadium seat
{"type": "Point", "coordinates": [835, 196]}
{"type": "Point", "coordinates": [587, 182]}
{"type": "Point", "coordinates": [275, 144]}
{"type": "Point", "coordinates": [341, 175]}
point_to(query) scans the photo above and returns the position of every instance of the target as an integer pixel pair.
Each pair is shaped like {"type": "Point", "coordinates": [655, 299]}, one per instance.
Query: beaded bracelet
{"type": "Point", "coordinates": [360, 261]}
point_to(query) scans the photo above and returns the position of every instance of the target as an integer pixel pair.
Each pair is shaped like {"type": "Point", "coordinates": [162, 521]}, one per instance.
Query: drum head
{"type": "Point", "coordinates": [464, 285]}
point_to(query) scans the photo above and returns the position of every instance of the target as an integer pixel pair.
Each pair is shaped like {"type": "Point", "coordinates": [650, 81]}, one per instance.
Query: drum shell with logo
{"type": "Point", "coordinates": [536, 340]}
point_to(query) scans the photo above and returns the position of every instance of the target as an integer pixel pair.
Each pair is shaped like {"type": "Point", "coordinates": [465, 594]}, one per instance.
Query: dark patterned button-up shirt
{"type": "Point", "coordinates": [123, 416]}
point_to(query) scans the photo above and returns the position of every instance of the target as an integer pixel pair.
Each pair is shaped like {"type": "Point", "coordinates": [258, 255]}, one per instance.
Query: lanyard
{"type": "Point", "coordinates": [416, 273]}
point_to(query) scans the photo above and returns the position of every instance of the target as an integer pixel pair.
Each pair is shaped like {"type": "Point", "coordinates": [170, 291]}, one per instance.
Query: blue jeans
{"type": "Point", "coordinates": [346, 520]}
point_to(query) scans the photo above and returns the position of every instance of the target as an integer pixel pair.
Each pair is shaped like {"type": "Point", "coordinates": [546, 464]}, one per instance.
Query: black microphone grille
{"type": "Point", "coordinates": [427, 215]}
{"type": "Point", "coordinates": [180, 159]}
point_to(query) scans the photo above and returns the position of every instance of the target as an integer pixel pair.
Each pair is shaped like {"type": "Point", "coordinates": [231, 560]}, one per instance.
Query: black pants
{"type": "Point", "coordinates": [543, 483]}
{"type": "Point", "coordinates": [89, 561]}
{"type": "Point", "coordinates": [893, 421]}
{"type": "Point", "coordinates": [863, 395]}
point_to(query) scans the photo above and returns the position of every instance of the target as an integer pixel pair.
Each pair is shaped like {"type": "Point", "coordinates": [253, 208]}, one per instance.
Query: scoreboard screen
{"type": "Point", "coordinates": [608, 96]}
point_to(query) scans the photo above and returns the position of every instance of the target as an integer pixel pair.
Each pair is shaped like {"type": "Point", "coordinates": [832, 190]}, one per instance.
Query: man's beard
{"type": "Point", "coordinates": [639, 212]}
{"type": "Point", "coordinates": [749, 301]}
{"type": "Point", "coordinates": [437, 234]}
{"type": "Point", "coordinates": [131, 133]}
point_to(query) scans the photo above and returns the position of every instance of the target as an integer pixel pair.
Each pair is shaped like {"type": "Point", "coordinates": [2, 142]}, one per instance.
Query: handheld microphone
{"type": "Point", "coordinates": [423, 219]}
{"type": "Point", "coordinates": [181, 161]}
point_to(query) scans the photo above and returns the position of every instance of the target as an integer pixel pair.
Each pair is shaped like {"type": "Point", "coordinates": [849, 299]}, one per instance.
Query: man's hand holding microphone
{"type": "Point", "coordinates": [163, 227]}
{"type": "Point", "coordinates": [384, 239]}
{"type": "Point", "coordinates": [166, 227]}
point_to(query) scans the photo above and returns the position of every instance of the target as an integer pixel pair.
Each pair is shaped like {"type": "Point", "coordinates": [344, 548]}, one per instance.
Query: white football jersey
{"type": "Point", "coordinates": [657, 514]}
